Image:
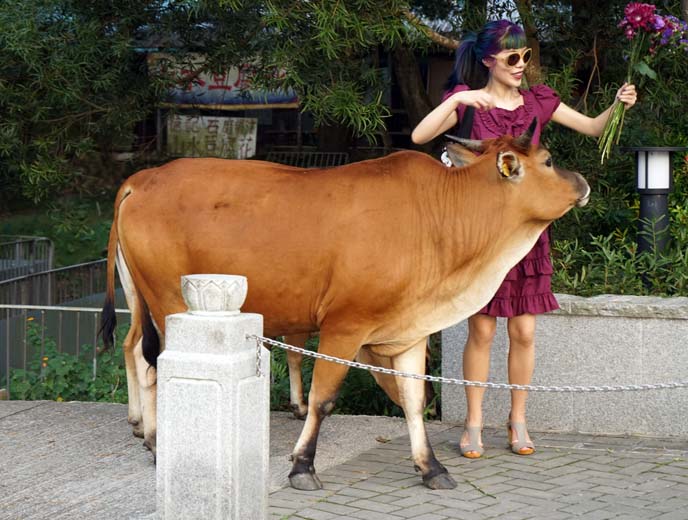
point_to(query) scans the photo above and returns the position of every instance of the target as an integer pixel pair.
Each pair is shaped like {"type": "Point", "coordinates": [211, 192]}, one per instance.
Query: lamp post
{"type": "Point", "coordinates": [654, 183]}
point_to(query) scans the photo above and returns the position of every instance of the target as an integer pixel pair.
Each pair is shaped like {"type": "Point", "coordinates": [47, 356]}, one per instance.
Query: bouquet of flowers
{"type": "Point", "coordinates": [648, 32]}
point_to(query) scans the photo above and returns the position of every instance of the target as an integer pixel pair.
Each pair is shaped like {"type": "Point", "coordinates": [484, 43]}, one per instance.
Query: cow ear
{"type": "Point", "coordinates": [460, 156]}
{"type": "Point", "coordinates": [509, 165]}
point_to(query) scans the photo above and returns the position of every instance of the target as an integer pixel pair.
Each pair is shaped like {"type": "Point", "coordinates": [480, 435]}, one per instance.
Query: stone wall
{"type": "Point", "coordinates": [603, 340]}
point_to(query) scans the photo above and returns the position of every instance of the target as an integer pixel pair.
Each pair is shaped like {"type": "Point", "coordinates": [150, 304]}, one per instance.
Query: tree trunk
{"type": "Point", "coordinates": [684, 9]}
{"type": "Point", "coordinates": [408, 78]}
{"type": "Point", "coordinates": [534, 70]}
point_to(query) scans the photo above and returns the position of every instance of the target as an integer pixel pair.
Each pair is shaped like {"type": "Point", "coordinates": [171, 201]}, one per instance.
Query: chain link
{"type": "Point", "coordinates": [259, 355]}
{"type": "Point", "coordinates": [260, 341]}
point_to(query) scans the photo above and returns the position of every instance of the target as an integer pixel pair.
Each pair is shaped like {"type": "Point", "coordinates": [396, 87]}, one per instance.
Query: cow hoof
{"type": "Point", "coordinates": [299, 411]}
{"type": "Point", "coordinates": [150, 444]}
{"type": "Point", "coordinates": [137, 427]}
{"type": "Point", "coordinates": [305, 481]}
{"type": "Point", "coordinates": [440, 481]}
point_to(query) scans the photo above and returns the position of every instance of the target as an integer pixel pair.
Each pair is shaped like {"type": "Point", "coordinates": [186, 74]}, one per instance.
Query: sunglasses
{"type": "Point", "coordinates": [512, 59]}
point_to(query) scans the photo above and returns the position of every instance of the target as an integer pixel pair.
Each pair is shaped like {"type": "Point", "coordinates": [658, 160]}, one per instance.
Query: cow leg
{"type": "Point", "coordinates": [135, 417]}
{"type": "Point", "coordinates": [387, 383]}
{"type": "Point", "coordinates": [412, 397]}
{"type": "Point", "coordinates": [294, 360]}
{"type": "Point", "coordinates": [327, 380]}
{"type": "Point", "coordinates": [147, 378]}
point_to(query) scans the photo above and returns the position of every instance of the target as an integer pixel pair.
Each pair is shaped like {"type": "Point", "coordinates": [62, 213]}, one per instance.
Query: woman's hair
{"type": "Point", "coordinates": [494, 37]}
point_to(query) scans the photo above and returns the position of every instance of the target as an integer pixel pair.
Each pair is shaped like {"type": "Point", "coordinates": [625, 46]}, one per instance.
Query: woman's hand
{"type": "Point", "coordinates": [627, 95]}
{"type": "Point", "coordinates": [475, 98]}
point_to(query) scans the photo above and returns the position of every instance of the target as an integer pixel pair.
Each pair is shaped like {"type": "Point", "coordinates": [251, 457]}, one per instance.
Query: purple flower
{"type": "Point", "coordinates": [658, 23]}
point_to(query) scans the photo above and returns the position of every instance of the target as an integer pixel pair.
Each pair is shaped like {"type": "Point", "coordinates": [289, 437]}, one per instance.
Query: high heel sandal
{"type": "Point", "coordinates": [474, 449]}
{"type": "Point", "coordinates": [520, 446]}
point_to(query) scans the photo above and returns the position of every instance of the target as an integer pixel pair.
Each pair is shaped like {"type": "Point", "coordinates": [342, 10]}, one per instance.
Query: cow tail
{"type": "Point", "coordinates": [108, 318]}
{"type": "Point", "coordinates": [150, 342]}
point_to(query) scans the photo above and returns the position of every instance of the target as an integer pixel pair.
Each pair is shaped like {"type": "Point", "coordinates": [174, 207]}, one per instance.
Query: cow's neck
{"type": "Point", "coordinates": [477, 233]}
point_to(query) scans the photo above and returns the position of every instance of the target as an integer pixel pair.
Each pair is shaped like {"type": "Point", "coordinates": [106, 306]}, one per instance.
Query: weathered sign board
{"type": "Point", "coordinates": [211, 136]}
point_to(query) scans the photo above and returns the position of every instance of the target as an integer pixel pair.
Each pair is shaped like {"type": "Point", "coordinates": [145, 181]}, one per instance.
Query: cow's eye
{"type": "Point", "coordinates": [548, 162]}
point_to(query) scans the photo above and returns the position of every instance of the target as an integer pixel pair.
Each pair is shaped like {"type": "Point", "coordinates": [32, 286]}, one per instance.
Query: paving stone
{"type": "Point", "coordinates": [331, 507]}
{"type": "Point", "coordinates": [583, 507]}
{"type": "Point", "coordinates": [674, 515]}
{"type": "Point", "coordinates": [373, 487]}
{"type": "Point", "coordinates": [597, 515]}
{"type": "Point", "coordinates": [357, 492]}
{"type": "Point", "coordinates": [373, 515]}
{"type": "Point", "coordinates": [316, 514]}
{"type": "Point", "coordinates": [501, 508]}
{"type": "Point", "coordinates": [415, 500]}
{"type": "Point", "coordinates": [461, 515]}
{"type": "Point", "coordinates": [502, 487]}
{"type": "Point", "coordinates": [457, 504]}
{"type": "Point", "coordinates": [373, 505]}
{"type": "Point", "coordinates": [415, 511]}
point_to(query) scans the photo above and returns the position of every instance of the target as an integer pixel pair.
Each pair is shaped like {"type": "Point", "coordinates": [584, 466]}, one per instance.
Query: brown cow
{"type": "Point", "coordinates": [375, 255]}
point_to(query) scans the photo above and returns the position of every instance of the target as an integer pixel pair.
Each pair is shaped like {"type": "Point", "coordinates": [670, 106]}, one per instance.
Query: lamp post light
{"type": "Point", "coordinates": [654, 183]}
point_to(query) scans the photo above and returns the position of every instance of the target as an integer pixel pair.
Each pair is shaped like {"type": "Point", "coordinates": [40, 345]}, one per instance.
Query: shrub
{"type": "Point", "coordinates": [61, 376]}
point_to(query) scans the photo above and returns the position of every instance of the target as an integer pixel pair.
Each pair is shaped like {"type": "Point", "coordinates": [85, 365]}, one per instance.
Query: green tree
{"type": "Point", "coordinates": [71, 81]}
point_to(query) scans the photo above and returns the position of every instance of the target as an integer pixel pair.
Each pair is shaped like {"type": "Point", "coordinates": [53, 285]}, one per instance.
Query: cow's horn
{"type": "Point", "coordinates": [523, 140]}
{"type": "Point", "coordinates": [471, 144]}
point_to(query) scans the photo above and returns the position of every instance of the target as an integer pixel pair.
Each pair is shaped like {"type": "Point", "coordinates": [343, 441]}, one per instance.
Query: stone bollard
{"type": "Point", "coordinates": [213, 410]}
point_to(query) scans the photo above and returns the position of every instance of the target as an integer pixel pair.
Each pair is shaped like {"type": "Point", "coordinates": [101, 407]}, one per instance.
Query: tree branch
{"type": "Point", "coordinates": [449, 43]}
{"type": "Point", "coordinates": [595, 70]}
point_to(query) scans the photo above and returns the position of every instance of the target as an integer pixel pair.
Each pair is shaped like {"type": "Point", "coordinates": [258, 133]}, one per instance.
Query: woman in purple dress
{"type": "Point", "coordinates": [487, 76]}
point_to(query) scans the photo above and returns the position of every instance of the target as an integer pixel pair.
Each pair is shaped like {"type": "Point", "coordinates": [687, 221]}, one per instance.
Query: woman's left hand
{"type": "Point", "coordinates": [627, 95]}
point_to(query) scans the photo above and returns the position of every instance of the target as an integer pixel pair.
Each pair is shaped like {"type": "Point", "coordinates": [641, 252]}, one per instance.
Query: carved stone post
{"type": "Point", "coordinates": [213, 408]}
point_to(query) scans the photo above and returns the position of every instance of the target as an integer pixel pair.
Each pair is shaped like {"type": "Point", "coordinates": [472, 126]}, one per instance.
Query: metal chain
{"type": "Point", "coordinates": [260, 341]}
{"type": "Point", "coordinates": [259, 356]}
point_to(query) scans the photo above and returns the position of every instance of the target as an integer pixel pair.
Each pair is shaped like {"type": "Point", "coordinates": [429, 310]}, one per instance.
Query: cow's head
{"type": "Point", "coordinates": [548, 191]}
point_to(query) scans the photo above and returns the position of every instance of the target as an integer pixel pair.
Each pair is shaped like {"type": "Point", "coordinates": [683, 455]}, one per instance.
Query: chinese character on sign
{"type": "Point", "coordinates": [203, 136]}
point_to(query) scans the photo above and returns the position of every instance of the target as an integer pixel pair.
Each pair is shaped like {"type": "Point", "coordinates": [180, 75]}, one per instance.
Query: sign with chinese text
{"type": "Point", "coordinates": [227, 90]}
{"type": "Point", "coordinates": [209, 136]}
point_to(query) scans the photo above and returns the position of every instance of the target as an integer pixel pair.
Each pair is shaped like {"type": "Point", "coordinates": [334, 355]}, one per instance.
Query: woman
{"type": "Point", "coordinates": [487, 76]}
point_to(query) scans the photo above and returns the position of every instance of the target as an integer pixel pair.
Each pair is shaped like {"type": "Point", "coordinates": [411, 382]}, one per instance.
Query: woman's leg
{"type": "Point", "coordinates": [521, 364]}
{"type": "Point", "coordinates": [476, 367]}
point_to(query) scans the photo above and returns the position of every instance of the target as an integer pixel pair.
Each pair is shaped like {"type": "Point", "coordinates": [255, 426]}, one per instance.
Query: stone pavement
{"type": "Point", "coordinates": [570, 476]}
{"type": "Point", "coordinates": [80, 461]}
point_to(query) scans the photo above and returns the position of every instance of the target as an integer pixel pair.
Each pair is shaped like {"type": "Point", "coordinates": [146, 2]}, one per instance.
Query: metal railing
{"type": "Point", "coordinates": [308, 159]}
{"type": "Point", "coordinates": [57, 286]}
{"type": "Point", "coordinates": [25, 329]}
{"type": "Point", "coordinates": [22, 255]}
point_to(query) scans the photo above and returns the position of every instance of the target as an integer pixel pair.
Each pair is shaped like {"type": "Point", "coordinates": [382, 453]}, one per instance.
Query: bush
{"type": "Point", "coordinates": [60, 376]}
{"type": "Point", "coordinates": [594, 249]}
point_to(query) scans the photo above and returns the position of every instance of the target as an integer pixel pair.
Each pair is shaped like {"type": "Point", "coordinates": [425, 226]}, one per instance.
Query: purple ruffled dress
{"type": "Point", "coordinates": [527, 288]}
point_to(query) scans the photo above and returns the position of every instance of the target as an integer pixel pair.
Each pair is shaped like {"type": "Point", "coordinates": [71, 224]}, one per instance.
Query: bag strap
{"type": "Point", "coordinates": [466, 123]}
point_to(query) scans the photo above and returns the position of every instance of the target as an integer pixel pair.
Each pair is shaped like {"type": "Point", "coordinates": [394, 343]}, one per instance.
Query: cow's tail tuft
{"type": "Point", "coordinates": [150, 342]}
{"type": "Point", "coordinates": [108, 318]}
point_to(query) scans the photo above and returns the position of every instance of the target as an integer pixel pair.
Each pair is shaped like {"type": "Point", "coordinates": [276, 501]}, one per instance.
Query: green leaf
{"type": "Point", "coordinates": [644, 69]}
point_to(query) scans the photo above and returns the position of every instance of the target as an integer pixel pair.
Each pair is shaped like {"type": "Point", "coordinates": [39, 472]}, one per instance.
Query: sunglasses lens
{"type": "Point", "coordinates": [527, 55]}
{"type": "Point", "coordinates": [512, 59]}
